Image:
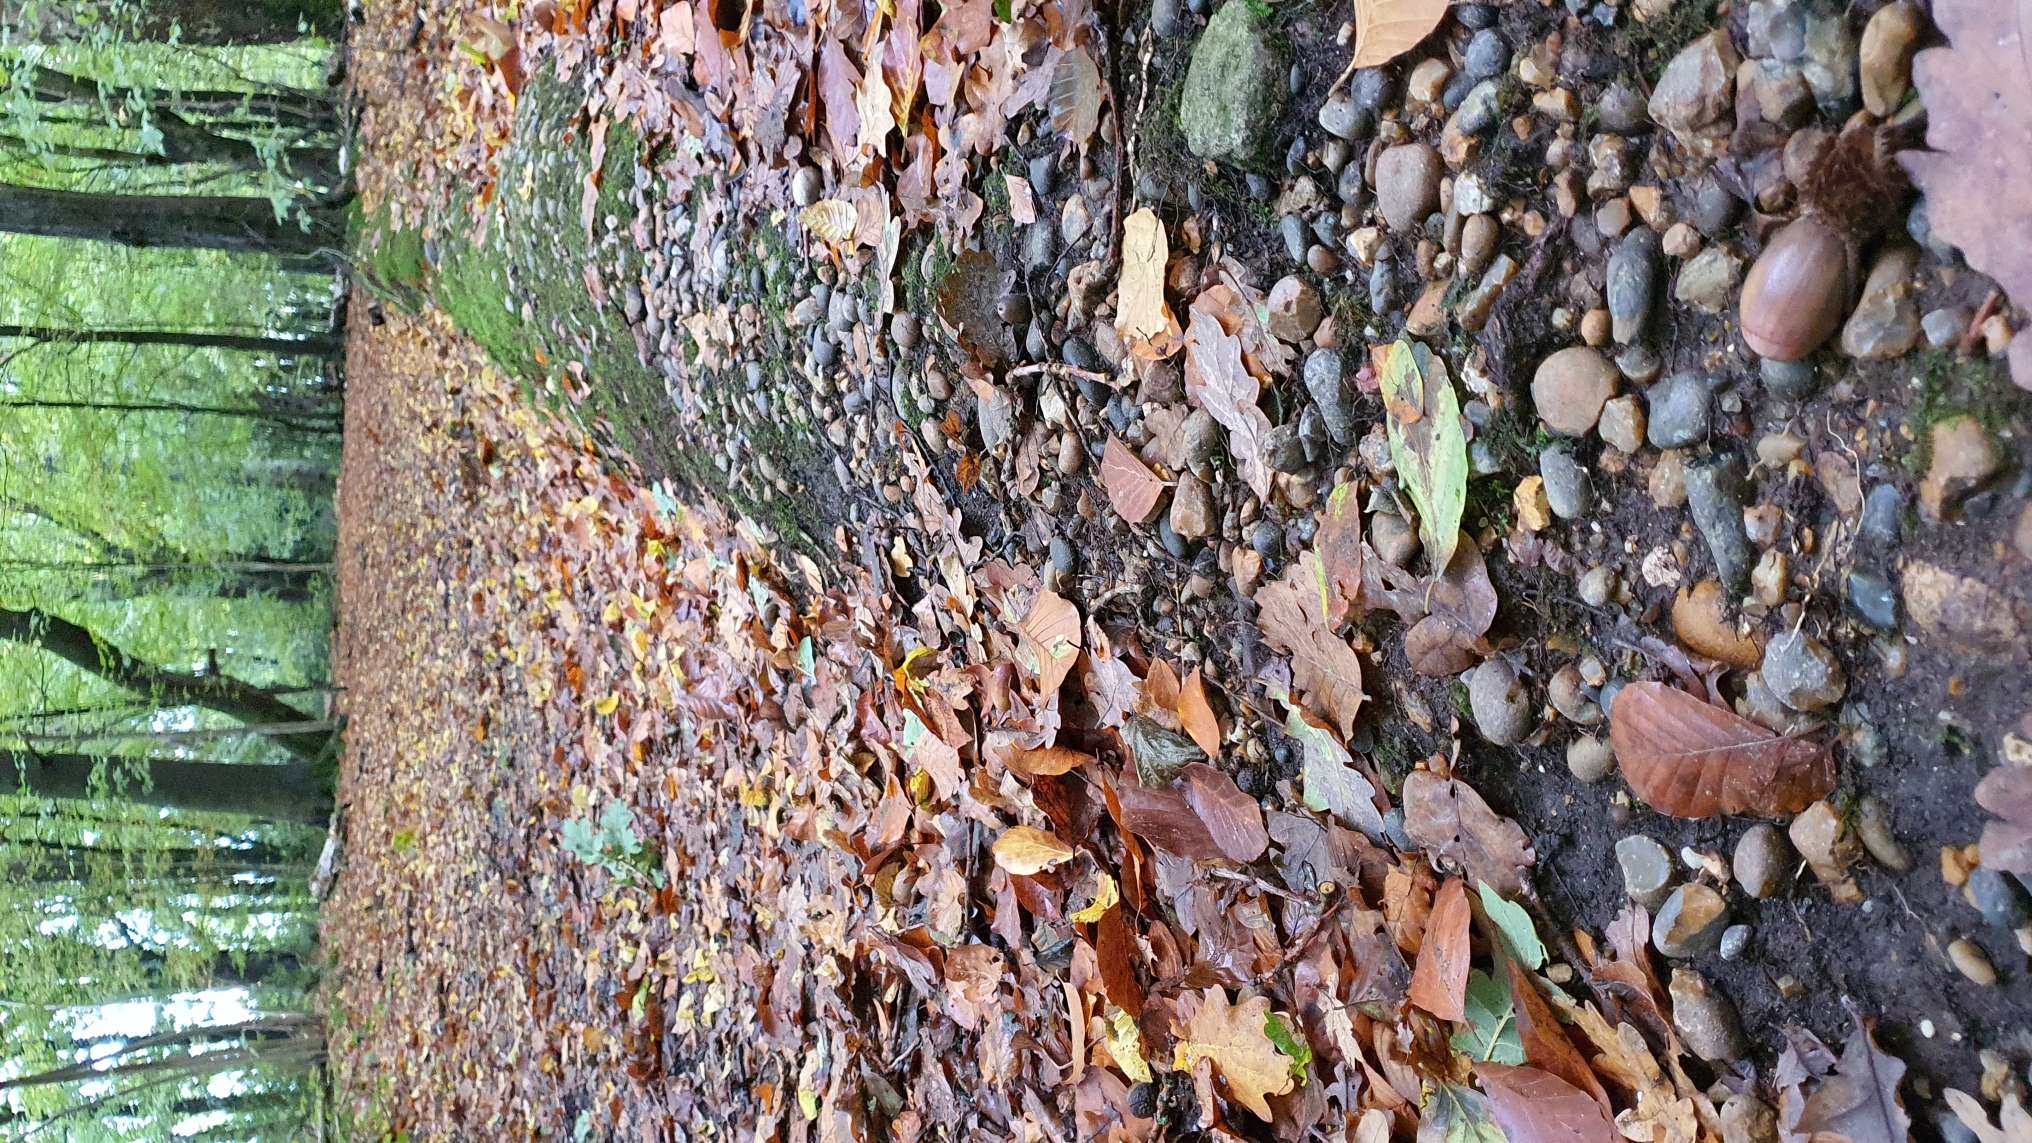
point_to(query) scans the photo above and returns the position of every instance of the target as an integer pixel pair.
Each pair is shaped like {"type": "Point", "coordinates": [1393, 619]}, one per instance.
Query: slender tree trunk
{"type": "Point", "coordinates": [191, 222]}
{"type": "Point", "coordinates": [221, 22]}
{"type": "Point", "coordinates": [277, 793]}
{"type": "Point", "coordinates": [319, 345]}
{"type": "Point", "coordinates": [297, 422]}
{"type": "Point", "coordinates": [222, 693]}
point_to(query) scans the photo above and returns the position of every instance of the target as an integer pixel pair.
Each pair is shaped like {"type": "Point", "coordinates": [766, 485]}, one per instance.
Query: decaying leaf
{"type": "Point", "coordinates": [1049, 639]}
{"type": "Point", "coordinates": [1491, 1022]}
{"type": "Point", "coordinates": [1162, 817]}
{"type": "Point", "coordinates": [1196, 714]}
{"type": "Point", "coordinates": [1076, 96]}
{"type": "Point", "coordinates": [2014, 1123]}
{"type": "Point", "coordinates": [1047, 761]}
{"type": "Point", "coordinates": [1692, 759]}
{"type": "Point", "coordinates": [1535, 1106]}
{"type": "Point", "coordinates": [1133, 489]}
{"type": "Point", "coordinates": [1026, 850]}
{"type": "Point", "coordinates": [1233, 819]}
{"type": "Point", "coordinates": [1456, 1114]}
{"type": "Point", "coordinates": [1448, 819]}
{"type": "Point", "coordinates": [1977, 176]}
{"type": "Point", "coordinates": [1544, 1040]}
{"type": "Point", "coordinates": [1339, 544]}
{"type": "Point", "coordinates": [1439, 979]}
{"type": "Point", "coordinates": [1329, 779]}
{"type": "Point", "coordinates": [1323, 665]}
{"type": "Point", "coordinates": [832, 219]}
{"type": "Point", "coordinates": [1859, 1101]}
{"type": "Point", "coordinates": [969, 301]}
{"type": "Point", "coordinates": [1233, 1038]}
{"type": "Point", "coordinates": [1386, 29]}
{"type": "Point", "coordinates": [1428, 443]}
{"type": "Point", "coordinates": [1217, 380]}
{"type": "Point", "coordinates": [1142, 318]}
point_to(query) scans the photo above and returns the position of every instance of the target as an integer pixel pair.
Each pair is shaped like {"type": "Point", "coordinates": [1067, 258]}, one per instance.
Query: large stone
{"type": "Point", "coordinates": [1234, 86]}
{"type": "Point", "coordinates": [1886, 320]}
{"type": "Point", "coordinates": [1964, 459]}
{"type": "Point", "coordinates": [1570, 388]}
{"type": "Point", "coordinates": [1889, 40]}
{"type": "Point", "coordinates": [1694, 96]}
{"type": "Point", "coordinates": [1407, 184]}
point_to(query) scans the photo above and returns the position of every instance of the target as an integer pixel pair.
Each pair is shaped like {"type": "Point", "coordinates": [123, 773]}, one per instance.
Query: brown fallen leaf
{"type": "Point", "coordinates": [1323, 665]}
{"type": "Point", "coordinates": [1133, 490]}
{"type": "Point", "coordinates": [1535, 1106]}
{"type": "Point", "coordinates": [1216, 379]}
{"type": "Point", "coordinates": [1046, 761]}
{"type": "Point", "coordinates": [1232, 1037]}
{"type": "Point", "coordinates": [1546, 1044]}
{"type": "Point", "coordinates": [1859, 1102]}
{"type": "Point", "coordinates": [1386, 29]}
{"type": "Point", "coordinates": [1233, 819]}
{"type": "Point", "coordinates": [1439, 979]}
{"type": "Point", "coordinates": [1027, 850]}
{"type": "Point", "coordinates": [1166, 820]}
{"type": "Point", "coordinates": [1339, 544]}
{"type": "Point", "coordinates": [1141, 317]}
{"type": "Point", "coordinates": [1049, 640]}
{"type": "Point", "coordinates": [1196, 714]}
{"type": "Point", "coordinates": [1076, 96]}
{"type": "Point", "coordinates": [1448, 819]}
{"type": "Point", "coordinates": [1691, 759]}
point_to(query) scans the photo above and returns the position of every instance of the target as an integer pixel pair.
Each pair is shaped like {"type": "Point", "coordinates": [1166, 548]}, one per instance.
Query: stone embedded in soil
{"type": "Point", "coordinates": [1885, 58]}
{"type": "Point", "coordinates": [1747, 1119]}
{"type": "Point", "coordinates": [1340, 117]}
{"type": "Point", "coordinates": [1830, 57]}
{"type": "Point", "coordinates": [1633, 284]}
{"type": "Point", "coordinates": [1802, 672]}
{"type": "Point", "coordinates": [1787, 380]}
{"type": "Point", "coordinates": [1690, 922]}
{"type": "Point", "coordinates": [1873, 599]}
{"type": "Point", "coordinates": [1566, 483]}
{"type": "Point", "coordinates": [1623, 423]}
{"type": "Point", "coordinates": [1969, 959]}
{"type": "Point", "coordinates": [1966, 613]}
{"type": "Point", "coordinates": [1294, 309]}
{"type": "Point", "coordinates": [1706, 1019]}
{"type": "Point", "coordinates": [1822, 836]}
{"type": "Point", "coordinates": [1695, 94]}
{"type": "Point", "coordinates": [1407, 185]}
{"type": "Point", "coordinates": [1501, 703]}
{"type": "Point", "coordinates": [1590, 759]}
{"type": "Point", "coordinates": [1714, 492]}
{"type": "Point", "coordinates": [1647, 870]}
{"type": "Point", "coordinates": [1680, 411]}
{"type": "Point", "coordinates": [1944, 326]}
{"type": "Point", "coordinates": [1886, 318]}
{"type": "Point", "coordinates": [1234, 86]}
{"type": "Point", "coordinates": [1964, 457]}
{"type": "Point", "coordinates": [2001, 900]}
{"type": "Point", "coordinates": [1568, 695]}
{"type": "Point", "coordinates": [1735, 939]}
{"type": "Point", "coordinates": [1763, 860]}
{"type": "Point", "coordinates": [1395, 538]}
{"type": "Point", "coordinates": [1570, 388]}
{"type": "Point", "coordinates": [1192, 508]}
{"type": "Point", "coordinates": [1873, 826]}
{"type": "Point", "coordinates": [1708, 280]}
{"type": "Point", "coordinates": [1326, 381]}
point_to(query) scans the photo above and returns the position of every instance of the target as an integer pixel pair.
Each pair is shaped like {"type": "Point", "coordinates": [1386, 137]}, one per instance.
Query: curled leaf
{"type": "Point", "coordinates": [1692, 759]}
{"type": "Point", "coordinates": [1448, 819]}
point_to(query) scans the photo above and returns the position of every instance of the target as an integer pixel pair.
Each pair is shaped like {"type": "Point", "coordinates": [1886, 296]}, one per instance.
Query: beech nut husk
{"type": "Point", "coordinates": [1797, 292]}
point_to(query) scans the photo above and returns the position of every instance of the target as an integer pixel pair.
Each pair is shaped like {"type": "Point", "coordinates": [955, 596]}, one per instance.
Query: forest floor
{"type": "Point", "coordinates": [959, 656]}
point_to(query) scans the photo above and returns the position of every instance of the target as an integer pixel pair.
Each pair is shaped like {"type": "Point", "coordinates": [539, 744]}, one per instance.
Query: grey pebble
{"type": "Point", "coordinates": [1680, 411]}
{"type": "Point", "coordinates": [1714, 492]}
{"type": "Point", "coordinates": [1943, 327]}
{"type": "Point", "coordinates": [1647, 870]}
{"type": "Point", "coordinates": [1802, 672]}
{"type": "Point", "coordinates": [1326, 381]}
{"type": "Point", "coordinates": [1501, 703]}
{"type": "Point", "coordinates": [1787, 380]}
{"type": "Point", "coordinates": [1883, 514]}
{"type": "Point", "coordinates": [1762, 861]}
{"type": "Point", "coordinates": [1707, 1021]}
{"type": "Point", "coordinates": [1873, 600]}
{"type": "Point", "coordinates": [1487, 54]}
{"type": "Point", "coordinates": [1735, 939]}
{"type": "Point", "coordinates": [1590, 759]}
{"type": "Point", "coordinates": [1566, 483]}
{"type": "Point", "coordinates": [1296, 239]}
{"type": "Point", "coordinates": [1633, 284]}
{"type": "Point", "coordinates": [2001, 900]}
{"type": "Point", "coordinates": [1340, 117]}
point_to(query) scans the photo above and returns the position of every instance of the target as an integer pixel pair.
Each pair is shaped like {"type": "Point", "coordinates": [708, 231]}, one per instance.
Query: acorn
{"type": "Point", "coordinates": [1798, 290]}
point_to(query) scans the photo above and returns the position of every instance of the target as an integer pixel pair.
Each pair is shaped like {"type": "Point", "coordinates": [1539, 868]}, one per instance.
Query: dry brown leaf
{"type": "Point", "coordinates": [1232, 818]}
{"type": "Point", "coordinates": [1022, 200]}
{"type": "Point", "coordinates": [1692, 759]}
{"type": "Point", "coordinates": [1047, 761]}
{"type": "Point", "coordinates": [1196, 714]}
{"type": "Point", "coordinates": [1233, 1039]}
{"type": "Point", "coordinates": [1216, 379]}
{"type": "Point", "coordinates": [1386, 29]}
{"type": "Point", "coordinates": [1141, 317]}
{"type": "Point", "coordinates": [1535, 1106]}
{"type": "Point", "coordinates": [1546, 1044]}
{"type": "Point", "coordinates": [1439, 980]}
{"type": "Point", "coordinates": [1076, 96]}
{"type": "Point", "coordinates": [1049, 639]}
{"type": "Point", "coordinates": [1448, 819]}
{"type": "Point", "coordinates": [1323, 665]}
{"type": "Point", "coordinates": [1859, 1102]}
{"type": "Point", "coordinates": [1166, 820]}
{"type": "Point", "coordinates": [1027, 850]}
{"type": "Point", "coordinates": [1133, 489]}
{"type": "Point", "coordinates": [1978, 174]}
{"type": "Point", "coordinates": [839, 82]}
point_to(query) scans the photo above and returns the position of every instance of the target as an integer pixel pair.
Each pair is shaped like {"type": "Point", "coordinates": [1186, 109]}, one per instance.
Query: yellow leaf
{"type": "Point", "coordinates": [1024, 850]}
{"type": "Point", "coordinates": [1105, 897]}
{"type": "Point", "coordinates": [1386, 29]}
{"type": "Point", "coordinates": [1142, 318]}
{"type": "Point", "coordinates": [1232, 1036]}
{"type": "Point", "coordinates": [832, 219]}
{"type": "Point", "coordinates": [608, 705]}
{"type": "Point", "coordinates": [1125, 1043]}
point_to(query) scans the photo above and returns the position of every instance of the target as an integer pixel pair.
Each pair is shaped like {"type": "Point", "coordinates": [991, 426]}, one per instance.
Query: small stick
{"type": "Point", "coordinates": [1057, 369]}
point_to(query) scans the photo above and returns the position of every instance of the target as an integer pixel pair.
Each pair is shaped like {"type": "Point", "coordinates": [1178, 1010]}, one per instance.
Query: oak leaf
{"type": "Point", "coordinates": [1692, 759]}
{"type": "Point", "coordinates": [1217, 380]}
{"type": "Point", "coordinates": [1860, 1100]}
{"type": "Point", "coordinates": [1323, 665]}
{"type": "Point", "coordinates": [1232, 1037]}
{"type": "Point", "coordinates": [1339, 543]}
{"type": "Point", "coordinates": [1448, 819]}
{"type": "Point", "coordinates": [1133, 489]}
{"type": "Point", "coordinates": [1328, 777]}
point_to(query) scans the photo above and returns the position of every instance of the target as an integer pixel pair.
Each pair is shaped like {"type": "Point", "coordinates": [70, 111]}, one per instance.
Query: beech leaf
{"type": "Point", "coordinates": [1049, 639]}
{"type": "Point", "coordinates": [1386, 29]}
{"type": "Point", "coordinates": [1491, 1032]}
{"type": "Point", "coordinates": [1339, 544]}
{"type": "Point", "coordinates": [1448, 819]}
{"type": "Point", "coordinates": [1026, 850]}
{"type": "Point", "coordinates": [1692, 759]}
{"type": "Point", "coordinates": [1197, 714]}
{"type": "Point", "coordinates": [1331, 782]}
{"type": "Point", "coordinates": [1515, 924]}
{"type": "Point", "coordinates": [1428, 443]}
{"type": "Point", "coordinates": [1046, 761]}
{"type": "Point", "coordinates": [1456, 1114]}
{"type": "Point", "coordinates": [1233, 1038]}
{"type": "Point", "coordinates": [1323, 665]}
{"type": "Point", "coordinates": [1439, 980]}
{"type": "Point", "coordinates": [1133, 489]}
{"type": "Point", "coordinates": [1535, 1106]}
{"type": "Point", "coordinates": [1166, 820]}
{"type": "Point", "coordinates": [1233, 819]}
{"type": "Point", "coordinates": [1076, 96]}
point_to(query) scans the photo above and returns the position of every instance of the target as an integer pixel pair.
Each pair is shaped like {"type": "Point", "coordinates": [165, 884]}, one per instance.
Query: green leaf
{"type": "Point", "coordinates": [1330, 781]}
{"type": "Point", "coordinates": [617, 829]}
{"type": "Point", "coordinates": [1288, 1043]}
{"type": "Point", "coordinates": [807, 658]}
{"type": "Point", "coordinates": [1428, 444]}
{"type": "Point", "coordinates": [1491, 1033]}
{"type": "Point", "coordinates": [1518, 931]}
{"type": "Point", "coordinates": [1455, 1114]}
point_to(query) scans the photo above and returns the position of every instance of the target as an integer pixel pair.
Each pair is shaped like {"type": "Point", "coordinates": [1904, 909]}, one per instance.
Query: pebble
{"type": "Point", "coordinates": [1407, 185]}
{"type": "Point", "coordinates": [1822, 836]}
{"type": "Point", "coordinates": [1647, 870]}
{"type": "Point", "coordinates": [1735, 939]}
{"type": "Point", "coordinates": [1294, 309]}
{"type": "Point", "coordinates": [1566, 483]}
{"type": "Point", "coordinates": [1349, 185]}
{"type": "Point", "coordinates": [1296, 237]}
{"type": "Point", "coordinates": [1428, 80]}
{"type": "Point", "coordinates": [807, 187]}
{"type": "Point", "coordinates": [1633, 284]}
{"type": "Point", "coordinates": [1667, 484]}
{"type": "Point", "coordinates": [1501, 703]}
{"type": "Point", "coordinates": [1886, 319]}
{"type": "Point", "coordinates": [1763, 860]}
{"type": "Point", "coordinates": [1340, 117]}
{"type": "Point", "coordinates": [1695, 93]}
{"type": "Point", "coordinates": [1395, 538]}
{"type": "Point", "coordinates": [1479, 235]}
{"type": "Point", "coordinates": [1715, 210]}
{"type": "Point", "coordinates": [1964, 459]}
{"type": "Point", "coordinates": [1873, 826]}
{"type": "Point", "coordinates": [1597, 586]}
{"type": "Point", "coordinates": [1164, 17]}
{"type": "Point", "coordinates": [1487, 55]}
{"type": "Point", "coordinates": [1200, 438]}
{"type": "Point", "coordinates": [1969, 959]}
{"type": "Point", "coordinates": [1829, 62]}
{"type": "Point", "coordinates": [1371, 88]}
{"type": "Point", "coordinates": [1787, 380]}
{"type": "Point", "coordinates": [1284, 448]}
{"type": "Point", "coordinates": [1382, 287]}
{"type": "Point", "coordinates": [1802, 672]}
{"type": "Point", "coordinates": [1747, 1119]}
{"type": "Point", "coordinates": [2002, 901]}
{"type": "Point", "coordinates": [1680, 411]}
{"type": "Point", "coordinates": [1708, 280]}
{"type": "Point", "coordinates": [1173, 543]}
{"type": "Point", "coordinates": [1590, 759]}
{"type": "Point", "coordinates": [1623, 423]}
{"type": "Point", "coordinates": [1326, 381]}
{"type": "Point", "coordinates": [1707, 1021]}
{"type": "Point", "coordinates": [1568, 695]}
{"type": "Point", "coordinates": [1714, 491]}
{"type": "Point", "coordinates": [1874, 600]}
{"type": "Point", "coordinates": [1479, 108]}
{"type": "Point", "coordinates": [1691, 921]}
{"type": "Point", "coordinates": [1570, 387]}
{"type": "Point", "coordinates": [1640, 363]}
{"type": "Point", "coordinates": [1943, 327]}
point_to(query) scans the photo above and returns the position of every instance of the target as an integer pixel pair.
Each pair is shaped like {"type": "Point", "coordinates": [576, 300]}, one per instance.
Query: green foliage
{"type": "Point", "coordinates": [612, 844]}
{"type": "Point", "coordinates": [1289, 1043]}
{"type": "Point", "coordinates": [1428, 443]}
{"type": "Point", "coordinates": [1515, 924]}
{"type": "Point", "coordinates": [1491, 1032]}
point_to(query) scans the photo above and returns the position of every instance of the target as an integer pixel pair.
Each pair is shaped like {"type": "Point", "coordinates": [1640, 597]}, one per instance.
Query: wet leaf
{"type": "Point", "coordinates": [1510, 919]}
{"type": "Point", "coordinates": [1339, 543]}
{"type": "Point", "coordinates": [1536, 1106]}
{"type": "Point", "coordinates": [1166, 820]}
{"type": "Point", "coordinates": [1456, 1114]}
{"type": "Point", "coordinates": [1216, 379]}
{"type": "Point", "coordinates": [1544, 1039]}
{"type": "Point", "coordinates": [1330, 782]}
{"type": "Point", "coordinates": [1132, 488]}
{"type": "Point", "coordinates": [1232, 1036]}
{"type": "Point", "coordinates": [1026, 850]}
{"type": "Point", "coordinates": [1428, 444]}
{"type": "Point", "coordinates": [1233, 819]}
{"type": "Point", "coordinates": [1860, 1100]}
{"type": "Point", "coordinates": [969, 301]}
{"type": "Point", "coordinates": [1323, 665]}
{"type": "Point", "coordinates": [1049, 639]}
{"type": "Point", "coordinates": [1439, 980]}
{"type": "Point", "coordinates": [1491, 1032]}
{"type": "Point", "coordinates": [1692, 759]}
{"type": "Point", "coordinates": [1448, 819]}
{"type": "Point", "coordinates": [1076, 96]}
{"type": "Point", "coordinates": [1386, 29]}
{"type": "Point", "coordinates": [1196, 714]}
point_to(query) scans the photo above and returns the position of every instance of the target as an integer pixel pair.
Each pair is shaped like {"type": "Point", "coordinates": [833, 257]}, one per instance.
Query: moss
{"type": "Point", "coordinates": [1949, 386]}
{"type": "Point", "coordinates": [1656, 41]}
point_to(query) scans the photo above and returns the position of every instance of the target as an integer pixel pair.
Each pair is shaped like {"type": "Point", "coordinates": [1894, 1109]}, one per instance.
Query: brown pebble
{"type": "Point", "coordinates": [1970, 960]}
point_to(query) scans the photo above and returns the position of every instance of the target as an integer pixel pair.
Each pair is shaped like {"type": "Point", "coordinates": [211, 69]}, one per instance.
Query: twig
{"type": "Point", "coordinates": [1057, 369]}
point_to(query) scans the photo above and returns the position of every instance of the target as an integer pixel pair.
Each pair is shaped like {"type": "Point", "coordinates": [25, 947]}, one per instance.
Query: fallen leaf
{"type": "Point", "coordinates": [1022, 200]}
{"type": "Point", "coordinates": [1977, 172]}
{"type": "Point", "coordinates": [1233, 819]}
{"type": "Point", "coordinates": [1232, 1037]}
{"type": "Point", "coordinates": [1026, 850]}
{"type": "Point", "coordinates": [1448, 819]}
{"type": "Point", "coordinates": [1536, 1106]}
{"type": "Point", "coordinates": [1860, 1100]}
{"type": "Point", "coordinates": [1166, 820]}
{"type": "Point", "coordinates": [1491, 1019]}
{"type": "Point", "coordinates": [1049, 639]}
{"type": "Point", "coordinates": [1428, 443]}
{"type": "Point", "coordinates": [1218, 382]}
{"type": "Point", "coordinates": [1323, 665]}
{"type": "Point", "coordinates": [1544, 1039]}
{"type": "Point", "coordinates": [1510, 919]}
{"type": "Point", "coordinates": [1692, 759]}
{"type": "Point", "coordinates": [839, 83]}
{"type": "Point", "coordinates": [1196, 714]}
{"type": "Point", "coordinates": [1132, 488]}
{"type": "Point", "coordinates": [2014, 1123]}
{"type": "Point", "coordinates": [1386, 29]}
{"type": "Point", "coordinates": [1047, 761]}
{"type": "Point", "coordinates": [1141, 317]}
{"type": "Point", "coordinates": [1076, 96]}
{"type": "Point", "coordinates": [1329, 780]}
{"type": "Point", "coordinates": [833, 220]}
{"type": "Point", "coordinates": [1439, 979]}
{"type": "Point", "coordinates": [1339, 544]}
{"type": "Point", "coordinates": [969, 300]}
{"type": "Point", "coordinates": [1456, 1114]}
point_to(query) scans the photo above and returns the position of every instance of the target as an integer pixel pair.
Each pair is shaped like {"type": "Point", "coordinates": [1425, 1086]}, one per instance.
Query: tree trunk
{"type": "Point", "coordinates": [276, 793]}
{"type": "Point", "coordinates": [221, 22]}
{"type": "Point", "coordinates": [222, 693]}
{"type": "Point", "coordinates": [319, 345]}
{"type": "Point", "coordinates": [189, 222]}
{"type": "Point", "coordinates": [296, 422]}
